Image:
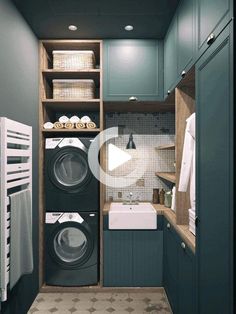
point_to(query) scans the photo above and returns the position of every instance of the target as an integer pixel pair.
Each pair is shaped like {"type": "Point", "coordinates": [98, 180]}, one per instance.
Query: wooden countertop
{"type": "Point", "coordinates": [182, 230]}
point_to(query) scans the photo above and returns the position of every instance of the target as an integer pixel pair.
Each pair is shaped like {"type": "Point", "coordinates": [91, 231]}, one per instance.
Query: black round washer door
{"type": "Point", "coordinates": [71, 246]}
{"type": "Point", "coordinates": [69, 169]}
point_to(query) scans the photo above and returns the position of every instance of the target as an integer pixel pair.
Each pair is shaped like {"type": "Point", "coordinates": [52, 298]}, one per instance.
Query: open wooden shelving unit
{"type": "Point", "coordinates": [50, 108]}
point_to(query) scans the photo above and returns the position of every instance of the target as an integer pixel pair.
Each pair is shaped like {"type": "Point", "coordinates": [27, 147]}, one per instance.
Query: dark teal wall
{"type": "Point", "coordinates": [19, 101]}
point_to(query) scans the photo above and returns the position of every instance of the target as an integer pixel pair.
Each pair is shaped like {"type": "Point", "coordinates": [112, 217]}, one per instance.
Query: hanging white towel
{"type": "Point", "coordinates": [187, 173]}
{"type": "Point", "coordinates": [21, 250]}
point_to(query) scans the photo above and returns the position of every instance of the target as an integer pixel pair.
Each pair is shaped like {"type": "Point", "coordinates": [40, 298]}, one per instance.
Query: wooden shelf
{"type": "Point", "coordinates": [97, 130]}
{"type": "Point", "coordinates": [166, 147]}
{"type": "Point", "coordinates": [72, 105]}
{"type": "Point", "coordinates": [93, 74]}
{"type": "Point", "coordinates": [169, 176]}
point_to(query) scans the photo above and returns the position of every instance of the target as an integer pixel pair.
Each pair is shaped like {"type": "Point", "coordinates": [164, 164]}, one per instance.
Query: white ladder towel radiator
{"type": "Point", "coordinates": [15, 175]}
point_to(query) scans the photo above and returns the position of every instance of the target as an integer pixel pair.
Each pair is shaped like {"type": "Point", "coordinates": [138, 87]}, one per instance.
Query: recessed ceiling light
{"type": "Point", "coordinates": [129, 28]}
{"type": "Point", "coordinates": [72, 27]}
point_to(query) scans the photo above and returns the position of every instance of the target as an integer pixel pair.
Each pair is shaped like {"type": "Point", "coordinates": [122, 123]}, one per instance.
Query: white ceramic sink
{"type": "Point", "coordinates": [141, 216]}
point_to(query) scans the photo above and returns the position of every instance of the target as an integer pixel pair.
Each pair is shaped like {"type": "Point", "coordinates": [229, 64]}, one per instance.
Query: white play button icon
{"type": "Point", "coordinates": [116, 157]}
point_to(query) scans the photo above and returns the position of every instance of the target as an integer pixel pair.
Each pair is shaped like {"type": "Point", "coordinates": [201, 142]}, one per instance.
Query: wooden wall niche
{"type": "Point", "coordinates": [184, 106]}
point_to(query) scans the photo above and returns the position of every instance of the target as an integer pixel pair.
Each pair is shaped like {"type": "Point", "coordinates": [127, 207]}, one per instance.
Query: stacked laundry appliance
{"type": "Point", "coordinates": [72, 213]}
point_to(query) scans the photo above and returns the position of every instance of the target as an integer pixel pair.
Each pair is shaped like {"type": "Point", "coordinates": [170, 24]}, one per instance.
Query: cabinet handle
{"type": "Point", "coordinates": [183, 74]}
{"type": "Point", "coordinates": [210, 39]}
{"type": "Point", "coordinates": [168, 226]}
{"type": "Point", "coordinates": [133, 98]}
{"type": "Point", "coordinates": [183, 245]}
{"type": "Point", "coordinates": [168, 92]}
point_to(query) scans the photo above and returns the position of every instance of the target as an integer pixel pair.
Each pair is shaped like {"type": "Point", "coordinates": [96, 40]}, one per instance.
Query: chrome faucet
{"type": "Point", "coordinates": [130, 198]}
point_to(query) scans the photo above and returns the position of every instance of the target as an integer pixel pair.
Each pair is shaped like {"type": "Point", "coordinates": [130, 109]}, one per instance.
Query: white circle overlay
{"type": "Point", "coordinates": [100, 174]}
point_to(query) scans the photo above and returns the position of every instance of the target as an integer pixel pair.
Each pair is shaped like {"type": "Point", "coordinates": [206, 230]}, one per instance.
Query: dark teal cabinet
{"type": "Point", "coordinates": [133, 68]}
{"type": "Point", "coordinates": [179, 272]}
{"type": "Point", "coordinates": [215, 169]}
{"type": "Point", "coordinates": [133, 258]}
{"type": "Point", "coordinates": [213, 16]}
{"type": "Point", "coordinates": [186, 39]}
{"type": "Point", "coordinates": [147, 258]}
{"type": "Point", "coordinates": [170, 58]}
{"type": "Point", "coordinates": [118, 265]}
{"type": "Point", "coordinates": [170, 267]}
{"type": "Point", "coordinates": [180, 45]}
{"type": "Point", "coordinates": [187, 290]}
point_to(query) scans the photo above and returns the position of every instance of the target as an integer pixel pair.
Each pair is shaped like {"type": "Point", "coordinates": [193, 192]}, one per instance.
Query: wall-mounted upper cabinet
{"type": "Point", "coordinates": [186, 41]}
{"type": "Point", "coordinates": [213, 16]}
{"type": "Point", "coordinates": [133, 70]}
{"type": "Point", "coordinates": [170, 58]}
{"type": "Point", "coordinates": [179, 45]}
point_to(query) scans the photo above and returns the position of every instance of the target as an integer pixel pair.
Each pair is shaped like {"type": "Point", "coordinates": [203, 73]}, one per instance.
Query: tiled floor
{"type": "Point", "coordinates": [101, 303]}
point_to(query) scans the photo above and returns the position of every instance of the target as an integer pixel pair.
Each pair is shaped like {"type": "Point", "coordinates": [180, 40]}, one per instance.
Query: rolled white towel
{"type": "Point", "coordinates": [85, 119]}
{"type": "Point", "coordinates": [63, 119]}
{"type": "Point", "coordinates": [74, 119]}
{"type": "Point", "coordinates": [48, 125]}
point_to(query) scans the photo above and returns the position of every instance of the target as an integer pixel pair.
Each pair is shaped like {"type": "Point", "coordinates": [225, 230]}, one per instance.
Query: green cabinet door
{"type": "Point", "coordinates": [170, 266]}
{"type": "Point", "coordinates": [133, 68]}
{"type": "Point", "coordinates": [215, 168]}
{"type": "Point", "coordinates": [185, 36]}
{"type": "Point", "coordinates": [148, 258]}
{"type": "Point", "coordinates": [187, 280]}
{"type": "Point", "coordinates": [213, 16]}
{"type": "Point", "coordinates": [118, 265]}
{"type": "Point", "coordinates": [170, 58]}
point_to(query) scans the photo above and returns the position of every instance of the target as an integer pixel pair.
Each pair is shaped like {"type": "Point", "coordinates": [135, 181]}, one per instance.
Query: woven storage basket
{"type": "Point", "coordinates": [73, 59]}
{"type": "Point", "coordinates": [73, 89]}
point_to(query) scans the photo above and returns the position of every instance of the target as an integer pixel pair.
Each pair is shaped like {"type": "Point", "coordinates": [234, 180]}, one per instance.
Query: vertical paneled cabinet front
{"type": "Point", "coordinates": [118, 262]}
{"type": "Point", "coordinates": [170, 275]}
{"type": "Point", "coordinates": [179, 272]}
{"type": "Point", "coordinates": [215, 168]}
{"type": "Point", "coordinates": [133, 258]}
{"type": "Point", "coordinates": [170, 58]}
{"type": "Point", "coordinates": [213, 16]}
{"type": "Point", "coordinates": [133, 70]}
{"type": "Point", "coordinates": [185, 36]}
{"type": "Point", "coordinates": [179, 45]}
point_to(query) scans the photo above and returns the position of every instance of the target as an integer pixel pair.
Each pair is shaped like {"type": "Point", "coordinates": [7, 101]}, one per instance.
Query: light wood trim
{"type": "Point", "coordinates": [51, 100]}
{"type": "Point", "coordinates": [185, 106]}
{"type": "Point", "coordinates": [101, 186]}
{"type": "Point", "coordinates": [53, 71]}
{"type": "Point", "coordinates": [169, 176]}
{"type": "Point", "coordinates": [42, 93]}
{"type": "Point", "coordinates": [46, 107]}
{"type": "Point", "coordinates": [166, 147]}
{"type": "Point", "coordinates": [93, 74]}
{"type": "Point", "coordinates": [70, 130]}
{"type": "Point", "coordinates": [99, 288]}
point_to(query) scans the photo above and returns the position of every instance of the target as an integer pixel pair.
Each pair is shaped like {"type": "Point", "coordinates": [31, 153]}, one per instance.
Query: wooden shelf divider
{"type": "Point", "coordinates": [166, 147]}
{"type": "Point", "coordinates": [169, 176]}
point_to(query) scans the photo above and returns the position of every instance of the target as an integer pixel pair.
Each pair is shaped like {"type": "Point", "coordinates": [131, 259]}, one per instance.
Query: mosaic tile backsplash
{"type": "Point", "coordinates": [149, 131]}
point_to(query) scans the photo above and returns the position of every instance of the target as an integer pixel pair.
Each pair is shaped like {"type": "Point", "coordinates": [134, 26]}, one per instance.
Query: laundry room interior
{"type": "Point", "coordinates": [117, 156]}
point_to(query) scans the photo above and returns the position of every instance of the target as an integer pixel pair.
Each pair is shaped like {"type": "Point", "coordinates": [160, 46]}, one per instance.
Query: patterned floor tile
{"type": "Point", "coordinates": [100, 303]}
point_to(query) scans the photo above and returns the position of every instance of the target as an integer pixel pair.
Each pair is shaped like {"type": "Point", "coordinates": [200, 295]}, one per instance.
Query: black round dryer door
{"type": "Point", "coordinates": [71, 244]}
{"type": "Point", "coordinates": [69, 169]}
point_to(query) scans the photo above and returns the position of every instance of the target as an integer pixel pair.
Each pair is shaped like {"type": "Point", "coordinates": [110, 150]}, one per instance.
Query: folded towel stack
{"type": "Point", "coordinates": [70, 123]}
